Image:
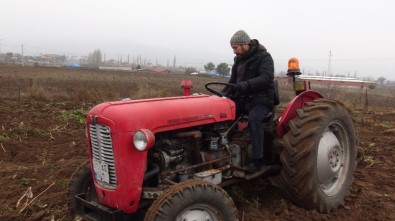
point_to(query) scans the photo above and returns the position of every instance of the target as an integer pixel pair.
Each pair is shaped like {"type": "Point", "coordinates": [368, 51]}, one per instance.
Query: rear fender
{"type": "Point", "coordinates": [290, 112]}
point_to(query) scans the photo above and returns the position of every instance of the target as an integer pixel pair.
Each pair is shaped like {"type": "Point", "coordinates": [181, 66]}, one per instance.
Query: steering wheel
{"type": "Point", "coordinates": [218, 93]}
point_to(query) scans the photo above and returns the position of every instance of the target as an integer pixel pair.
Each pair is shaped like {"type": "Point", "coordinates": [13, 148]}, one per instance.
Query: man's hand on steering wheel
{"type": "Point", "coordinates": [230, 90]}
{"type": "Point", "coordinates": [241, 88]}
{"type": "Point", "coordinates": [236, 90]}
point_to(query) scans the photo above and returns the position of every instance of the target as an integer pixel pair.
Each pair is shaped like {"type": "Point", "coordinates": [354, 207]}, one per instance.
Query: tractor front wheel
{"type": "Point", "coordinates": [319, 157]}
{"type": "Point", "coordinates": [193, 200]}
{"type": "Point", "coordinates": [81, 181]}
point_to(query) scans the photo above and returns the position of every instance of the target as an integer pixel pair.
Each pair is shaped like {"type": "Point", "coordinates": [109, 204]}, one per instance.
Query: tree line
{"type": "Point", "coordinates": [222, 69]}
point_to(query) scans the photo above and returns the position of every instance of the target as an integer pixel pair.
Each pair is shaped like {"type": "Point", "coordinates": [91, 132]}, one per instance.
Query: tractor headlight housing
{"type": "Point", "coordinates": [143, 139]}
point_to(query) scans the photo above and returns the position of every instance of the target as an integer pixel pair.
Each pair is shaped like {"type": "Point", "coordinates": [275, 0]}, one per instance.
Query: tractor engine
{"type": "Point", "coordinates": [176, 153]}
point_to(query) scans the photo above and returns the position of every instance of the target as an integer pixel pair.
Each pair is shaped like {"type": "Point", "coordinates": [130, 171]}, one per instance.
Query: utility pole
{"type": "Point", "coordinates": [329, 64]}
{"type": "Point", "coordinates": [0, 52]}
{"type": "Point", "coordinates": [22, 57]}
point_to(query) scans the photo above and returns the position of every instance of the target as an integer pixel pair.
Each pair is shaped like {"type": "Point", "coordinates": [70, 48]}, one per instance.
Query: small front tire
{"type": "Point", "coordinates": [81, 181]}
{"type": "Point", "coordinates": [193, 200]}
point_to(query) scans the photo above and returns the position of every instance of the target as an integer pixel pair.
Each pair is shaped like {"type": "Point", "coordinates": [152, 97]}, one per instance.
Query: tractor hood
{"type": "Point", "coordinates": [163, 114]}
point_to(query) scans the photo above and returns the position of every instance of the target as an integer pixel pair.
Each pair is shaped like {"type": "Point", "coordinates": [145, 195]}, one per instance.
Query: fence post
{"type": "Point", "coordinates": [366, 103]}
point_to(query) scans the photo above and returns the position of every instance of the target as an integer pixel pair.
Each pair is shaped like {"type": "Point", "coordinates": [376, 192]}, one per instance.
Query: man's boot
{"type": "Point", "coordinates": [254, 166]}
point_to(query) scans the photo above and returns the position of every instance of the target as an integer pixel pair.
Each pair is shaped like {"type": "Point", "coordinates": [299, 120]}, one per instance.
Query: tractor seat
{"type": "Point", "coordinates": [276, 99]}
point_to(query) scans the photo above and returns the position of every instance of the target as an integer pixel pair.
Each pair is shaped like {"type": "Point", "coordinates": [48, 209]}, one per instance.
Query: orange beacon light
{"type": "Point", "coordinates": [299, 85]}
{"type": "Point", "coordinates": [293, 67]}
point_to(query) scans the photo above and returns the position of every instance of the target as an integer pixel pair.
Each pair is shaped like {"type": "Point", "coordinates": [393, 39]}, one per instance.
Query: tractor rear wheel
{"type": "Point", "coordinates": [319, 157]}
{"type": "Point", "coordinates": [193, 200]}
{"type": "Point", "coordinates": [81, 181]}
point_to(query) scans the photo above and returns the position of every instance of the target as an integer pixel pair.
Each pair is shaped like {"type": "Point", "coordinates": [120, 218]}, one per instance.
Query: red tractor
{"type": "Point", "coordinates": [169, 158]}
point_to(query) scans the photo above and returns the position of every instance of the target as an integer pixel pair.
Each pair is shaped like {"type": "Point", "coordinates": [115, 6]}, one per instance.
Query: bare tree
{"type": "Point", "coordinates": [381, 80]}
{"type": "Point", "coordinates": [95, 58]}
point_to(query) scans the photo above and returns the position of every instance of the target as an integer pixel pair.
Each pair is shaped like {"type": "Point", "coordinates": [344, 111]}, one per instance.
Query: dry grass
{"type": "Point", "coordinates": [95, 86]}
{"type": "Point", "coordinates": [54, 84]}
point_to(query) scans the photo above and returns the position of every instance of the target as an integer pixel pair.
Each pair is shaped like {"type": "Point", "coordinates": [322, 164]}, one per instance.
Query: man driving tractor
{"type": "Point", "coordinates": [252, 74]}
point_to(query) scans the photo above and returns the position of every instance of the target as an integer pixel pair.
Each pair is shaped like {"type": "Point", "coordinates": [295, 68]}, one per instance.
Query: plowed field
{"type": "Point", "coordinates": [42, 141]}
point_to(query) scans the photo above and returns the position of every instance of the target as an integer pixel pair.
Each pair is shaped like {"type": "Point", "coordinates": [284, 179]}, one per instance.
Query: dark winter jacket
{"type": "Point", "coordinates": [257, 69]}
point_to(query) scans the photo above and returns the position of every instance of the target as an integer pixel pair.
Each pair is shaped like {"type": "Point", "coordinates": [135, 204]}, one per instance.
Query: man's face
{"type": "Point", "coordinates": [240, 49]}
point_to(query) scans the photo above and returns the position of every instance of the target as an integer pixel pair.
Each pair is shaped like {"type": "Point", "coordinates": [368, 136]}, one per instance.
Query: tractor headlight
{"type": "Point", "coordinates": [143, 139]}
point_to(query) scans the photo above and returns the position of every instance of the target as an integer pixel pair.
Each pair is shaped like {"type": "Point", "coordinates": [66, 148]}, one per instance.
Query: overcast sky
{"type": "Point", "coordinates": [360, 34]}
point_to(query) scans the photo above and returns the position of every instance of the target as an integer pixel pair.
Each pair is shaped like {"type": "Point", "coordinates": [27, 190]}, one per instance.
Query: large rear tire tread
{"type": "Point", "coordinates": [174, 200]}
{"type": "Point", "coordinates": [299, 176]}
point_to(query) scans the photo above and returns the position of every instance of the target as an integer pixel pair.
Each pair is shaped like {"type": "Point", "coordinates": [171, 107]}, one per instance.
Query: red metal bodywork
{"type": "Point", "coordinates": [158, 115]}
{"type": "Point", "coordinates": [290, 112]}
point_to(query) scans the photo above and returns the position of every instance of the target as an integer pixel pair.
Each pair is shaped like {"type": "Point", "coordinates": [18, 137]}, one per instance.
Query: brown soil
{"type": "Point", "coordinates": [40, 149]}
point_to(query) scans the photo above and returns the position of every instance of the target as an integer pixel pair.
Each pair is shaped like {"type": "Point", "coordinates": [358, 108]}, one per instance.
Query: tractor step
{"type": "Point", "coordinates": [265, 170]}
{"type": "Point", "coordinates": [268, 170]}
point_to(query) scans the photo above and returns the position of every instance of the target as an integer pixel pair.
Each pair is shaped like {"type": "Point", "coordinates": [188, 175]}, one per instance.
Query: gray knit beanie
{"type": "Point", "coordinates": [240, 38]}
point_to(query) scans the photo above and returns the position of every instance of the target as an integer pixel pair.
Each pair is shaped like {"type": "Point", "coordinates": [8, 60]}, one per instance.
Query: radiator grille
{"type": "Point", "coordinates": [102, 151]}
